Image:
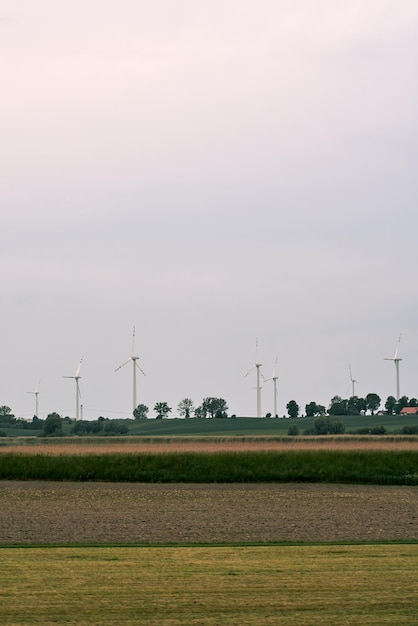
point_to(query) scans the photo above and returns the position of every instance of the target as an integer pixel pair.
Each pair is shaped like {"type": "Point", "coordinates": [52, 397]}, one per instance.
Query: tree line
{"type": "Point", "coordinates": [210, 407]}
{"type": "Point", "coordinates": [353, 406]}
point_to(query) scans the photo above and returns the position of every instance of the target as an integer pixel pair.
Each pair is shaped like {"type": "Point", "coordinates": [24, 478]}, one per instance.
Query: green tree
{"type": "Point", "coordinates": [338, 407]}
{"type": "Point", "coordinates": [390, 405]}
{"type": "Point", "coordinates": [6, 415]}
{"type": "Point", "coordinates": [212, 405]}
{"type": "Point", "coordinates": [292, 408]}
{"type": "Point", "coordinates": [52, 426]}
{"type": "Point", "coordinates": [162, 409]}
{"type": "Point", "coordinates": [141, 412]}
{"type": "Point", "coordinates": [313, 409]}
{"type": "Point", "coordinates": [200, 412]}
{"type": "Point", "coordinates": [401, 404]}
{"type": "Point", "coordinates": [413, 402]}
{"type": "Point", "coordinates": [355, 405]}
{"type": "Point", "coordinates": [185, 407]}
{"type": "Point", "coordinates": [373, 402]}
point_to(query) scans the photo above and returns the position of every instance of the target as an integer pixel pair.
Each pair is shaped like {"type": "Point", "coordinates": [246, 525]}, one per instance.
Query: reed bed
{"type": "Point", "coordinates": [163, 445]}
{"type": "Point", "coordinates": [329, 466]}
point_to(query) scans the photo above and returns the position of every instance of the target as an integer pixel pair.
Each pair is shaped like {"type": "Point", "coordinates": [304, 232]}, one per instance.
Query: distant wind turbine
{"type": "Point", "coordinates": [353, 382]}
{"type": "Point", "coordinates": [135, 365]}
{"type": "Point", "coordinates": [396, 359]}
{"type": "Point", "coordinates": [274, 378]}
{"type": "Point", "coordinates": [257, 366]}
{"type": "Point", "coordinates": [36, 394]}
{"type": "Point", "coordinates": [77, 389]}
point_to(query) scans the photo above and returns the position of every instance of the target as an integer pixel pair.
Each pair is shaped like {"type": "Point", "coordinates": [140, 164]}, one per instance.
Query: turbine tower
{"type": "Point", "coordinates": [77, 389]}
{"type": "Point", "coordinates": [135, 365]}
{"type": "Point", "coordinates": [353, 382]}
{"type": "Point", "coordinates": [257, 366]}
{"type": "Point", "coordinates": [396, 359]}
{"type": "Point", "coordinates": [274, 378]}
{"type": "Point", "coordinates": [36, 394]}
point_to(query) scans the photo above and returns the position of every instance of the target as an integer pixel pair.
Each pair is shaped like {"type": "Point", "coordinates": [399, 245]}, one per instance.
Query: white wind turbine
{"type": "Point", "coordinates": [135, 365]}
{"type": "Point", "coordinates": [77, 389]}
{"type": "Point", "coordinates": [353, 382]}
{"type": "Point", "coordinates": [36, 394]}
{"type": "Point", "coordinates": [274, 378]}
{"type": "Point", "coordinates": [396, 359]}
{"type": "Point", "coordinates": [257, 366]}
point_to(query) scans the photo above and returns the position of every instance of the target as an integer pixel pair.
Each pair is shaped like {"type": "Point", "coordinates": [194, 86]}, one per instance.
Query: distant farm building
{"type": "Point", "coordinates": [409, 410]}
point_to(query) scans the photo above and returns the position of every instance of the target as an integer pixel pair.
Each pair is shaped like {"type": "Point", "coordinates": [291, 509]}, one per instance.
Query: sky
{"type": "Point", "coordinates": [212, 173]}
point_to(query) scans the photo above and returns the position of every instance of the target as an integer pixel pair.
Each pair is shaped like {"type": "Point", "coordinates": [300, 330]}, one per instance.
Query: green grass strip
{"type": "Point", "coordinates": [355, 467]}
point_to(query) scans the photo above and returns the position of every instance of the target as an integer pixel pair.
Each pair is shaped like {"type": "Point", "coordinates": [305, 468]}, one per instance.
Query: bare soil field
{"type": "Point", "coordinates": [102, 513]}
{"type": "Point", "coordinates": [181, 444]}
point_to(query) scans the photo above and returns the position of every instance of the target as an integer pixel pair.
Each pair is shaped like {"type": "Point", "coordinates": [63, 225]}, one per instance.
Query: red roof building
{"type": "Point", "coordinates": [409, 410]}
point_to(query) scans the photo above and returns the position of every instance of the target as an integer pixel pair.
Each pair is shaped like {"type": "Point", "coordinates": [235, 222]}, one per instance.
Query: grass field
{"type": "Point", "coordinates": [242, 426]}
{"type": "Point", "coordinates": [380, 467]}
{"type": "Point", "coordinates": [289, 585]}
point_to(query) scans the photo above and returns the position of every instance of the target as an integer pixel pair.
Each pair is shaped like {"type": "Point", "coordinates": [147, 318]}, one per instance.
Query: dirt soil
{"type": "Point", "coordinates": [60, 513]}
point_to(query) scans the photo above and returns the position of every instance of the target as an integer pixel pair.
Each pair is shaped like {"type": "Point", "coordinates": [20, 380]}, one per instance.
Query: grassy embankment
{"type": "Point", "coordinates": [303, 585]}
{"type": "Point", "coordinates": [362, 467]}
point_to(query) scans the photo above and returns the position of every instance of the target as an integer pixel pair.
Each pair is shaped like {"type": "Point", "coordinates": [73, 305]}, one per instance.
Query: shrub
{"type": "Point", "coordinates": [377, 430]}
{"type": "Point", "coordinates": [328, 425]}
{"type": "Point", "coordinates": [293, 430]}
{"type": "Point", "coordinates": [409, 430]}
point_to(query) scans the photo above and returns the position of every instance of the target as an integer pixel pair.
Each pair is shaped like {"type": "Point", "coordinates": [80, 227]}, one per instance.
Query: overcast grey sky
{"type": "Point", "coordinates": [210, 172]}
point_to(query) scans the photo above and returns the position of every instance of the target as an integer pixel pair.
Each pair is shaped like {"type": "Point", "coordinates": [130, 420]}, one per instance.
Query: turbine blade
{"type": "Point", "coordinates": [78, 368]}
{"type": "Point", "coordinates": [249, 371]}
{"type": "Point", "coordinates": [397, 347]}
{"type": "Point", "coordinates": [133, 342]}
{"type": "Point", "coordinates": [140, 368]}
{"type": "Point", "coordinates": [123, 364]}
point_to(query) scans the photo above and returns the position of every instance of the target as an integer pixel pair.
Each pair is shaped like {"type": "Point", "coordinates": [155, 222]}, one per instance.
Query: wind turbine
{"type": "Point", "coordinates": [257, 366]}
{"type": "Point", "coordinates": [135, 365]}
{"type": "Point", "coordinates": [353, 382]}
{"type": "Point", "coordinates": [396, 359]}
{"type": "Point", "coordinates": [77, 389]}
{"type": "Point", "coordinates": [274, 378]}
{"type": "Point", "coordinates": [36, 394]}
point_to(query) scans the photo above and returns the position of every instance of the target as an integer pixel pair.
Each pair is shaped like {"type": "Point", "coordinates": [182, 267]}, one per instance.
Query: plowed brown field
{"type": "Point", "coordinates": [65, 513]}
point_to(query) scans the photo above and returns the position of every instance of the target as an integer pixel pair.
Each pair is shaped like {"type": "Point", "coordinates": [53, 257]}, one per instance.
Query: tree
{"type": "Point", "coordinates": [373, 402]}
{"type": "Point", "coordinates": [338, 407]}
{"type": "Point", "coordinates": [212, 405]}
{"type": "Point", "coordinates": [413, 402]}
{"type": "Point", "coordinates": [390, 405]}
{"type": "Point", "coordinates": [355, 405]}
{"type": "Point", "coordinates": [162, 409]}
{"type": "Point", "coordinates": [52, 426]}
{"type": "Point", "coordinates": [6, 415]}
{"type": "Point", "coordinates": [185, 407]}
{"type": "Point", "coordinates": [313, 409]}
{"type": "Point", "coordinates": [141, 412]}
{"type": "Point", "coordinates": [292, 408]}
{"type": "Point", "coordinates": [200, 412]}
{"type": "Point", "coordinates": [401, 404]}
